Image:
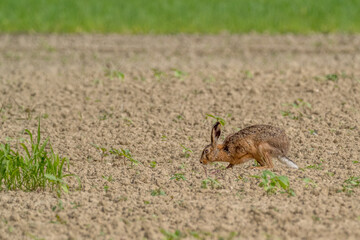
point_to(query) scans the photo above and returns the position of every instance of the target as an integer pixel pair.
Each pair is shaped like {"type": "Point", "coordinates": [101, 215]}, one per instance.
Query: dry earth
{"type": "Point", "coordinates": [308, 85]}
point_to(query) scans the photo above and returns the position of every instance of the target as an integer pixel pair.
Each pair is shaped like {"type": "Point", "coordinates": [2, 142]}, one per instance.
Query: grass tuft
{"type": "Point", "coordinates": [36, 167]}
{"type": "Point", "coordinates": [272, 183]}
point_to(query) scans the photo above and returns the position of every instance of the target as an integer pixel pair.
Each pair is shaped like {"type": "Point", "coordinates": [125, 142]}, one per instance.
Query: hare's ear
{"type": "Point", "coordinates": [215, 133]}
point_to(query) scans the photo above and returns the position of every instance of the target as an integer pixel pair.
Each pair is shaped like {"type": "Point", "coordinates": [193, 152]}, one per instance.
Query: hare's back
{"type": "Point", "coordinates": [274, 136]}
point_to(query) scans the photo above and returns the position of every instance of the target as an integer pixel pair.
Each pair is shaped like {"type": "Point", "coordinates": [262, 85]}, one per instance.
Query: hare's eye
{"type": "Point", "coordinates": [206, 151]}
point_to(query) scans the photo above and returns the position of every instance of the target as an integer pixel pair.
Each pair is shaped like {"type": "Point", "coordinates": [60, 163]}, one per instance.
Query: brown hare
{"type": "Point", "coordinates": [259, 142]}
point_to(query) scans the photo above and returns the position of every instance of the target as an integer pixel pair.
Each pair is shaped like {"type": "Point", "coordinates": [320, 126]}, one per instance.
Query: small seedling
{"type": "Point", "coordinates": [272, 183]}
{"type": "Point", "coordinates": [114, 74]}
{"type": "Point", "coordinates": [216, 118]}
{"type": "Point", "coordinates": [350, 184]}
{"type": "Point", "coordinates": [290, 114]}
{"type": "Point", "coordinates": [300, 103]}
{"type": "Point", "coordinates": [355, 162]}
{"type": "Point", "coordinates": [332, 77]}
{"type": "Point", "coordinates": [158, 74]}
{"type": "Point", "coordinates": [213, 183]}
{"type": "Point", "coordinates": [249, 74]}
{"type": "Point", "coordinates": [153, 164]}
{"type": "Point", "coordinates": [178, 176]}
{"type": "Point", "coordinates": [59, 206]}
{"type": "Point", "coordinates": [186, 151]}
{"type": "Point", "coordinates": [158, 192]}
{"type": "Point", "coordinates": [109, 178]}
{"type": "Point", "coordinates": [179, 74]}
{"type": "Point", "coordinates": [106, 188]}
{"type": "Point", "coordinates": [309, 183]}
{"type": "Point", "coordinates": [313, 132]}
{"type": "Point", "coordinates": [125, 153]}
{"type": "Point", "coordinates": [317, 166]}
{"type": "Point", "coordinates": [172, 236]}
{"type": "Point", "coordinates": [75, 204]}
{"type": "Point", "coordinates": [103, 150]}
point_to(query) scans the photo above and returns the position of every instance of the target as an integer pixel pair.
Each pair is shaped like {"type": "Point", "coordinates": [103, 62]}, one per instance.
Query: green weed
{"type": "Point", "coordinates": [309, 183]}
{"type": "Point", "coordinates": [109, 178]}
{"type": "Point", "coordinates": [297, 109]}
{"type": "Point", "coordinates": [350, 184]}
{"type": "Point", "coordinates": [159, 75]}
{"type": "Point", "coordinates": [178, 176]}
{"type": "Point", "coordinates": [112, 74]}
{"type": "Point", "coordinates": [158, 192]}
{"type": "Point", "coordinates": [313, 132]}
{"type": "Point", "coordinates": [179, 74]}
{"type": "Point", "coordinates": [210, 182]}
{"type": "Point", "coordinates": [273, 183]}
{"type": "Point", "coordinates": [332, 77]}
{"type": "Point", "coordinates": [38, 167]}
{"type": "Point", "coordinates": [317, 166]}
{"type": "Point", "coordinates": [216, 118]}
{"type": "Point", "coordinates": [118, 153]}
{"type": "Point", "coordinates": [153, 164]}
{"type": "Point", "coordinates": [59, 206]}
{"type": "Point", "coordinates": [172, 236]}
{"type": "Point", "coordinates": [186, 151]}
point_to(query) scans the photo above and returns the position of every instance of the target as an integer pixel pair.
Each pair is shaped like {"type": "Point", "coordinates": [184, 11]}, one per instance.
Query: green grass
{"type": "Point", "coordinates": [175, 16]}
{"type": "Point", "coordinates": [35, 167]}
{"type": "Point", "coordinates": [273, 183]}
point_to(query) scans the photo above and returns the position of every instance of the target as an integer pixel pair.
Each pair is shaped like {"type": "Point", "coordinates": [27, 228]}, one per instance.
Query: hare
{"type": "Point", "coordinates": [259, 142]}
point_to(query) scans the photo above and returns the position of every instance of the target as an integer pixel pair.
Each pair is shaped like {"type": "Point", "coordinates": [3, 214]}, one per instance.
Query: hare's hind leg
{"type": "Point", "coordinates": [264, 157]}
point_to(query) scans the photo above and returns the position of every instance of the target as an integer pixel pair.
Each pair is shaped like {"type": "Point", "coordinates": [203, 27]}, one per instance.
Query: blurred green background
{"type": "Point", "coordinates": [180, 16]}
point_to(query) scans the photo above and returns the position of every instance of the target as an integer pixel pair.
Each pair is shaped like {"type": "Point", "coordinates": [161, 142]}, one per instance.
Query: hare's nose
{"type": "Point", "coordinates": [201, 161]}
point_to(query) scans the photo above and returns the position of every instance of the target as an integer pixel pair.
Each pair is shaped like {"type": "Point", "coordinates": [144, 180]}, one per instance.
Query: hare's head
{"type": "Point", "coordinates": [209, 154]}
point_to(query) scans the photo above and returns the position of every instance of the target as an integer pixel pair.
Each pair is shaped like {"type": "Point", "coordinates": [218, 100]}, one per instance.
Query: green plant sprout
{"type": "Point", "coordinates": [153, 164]}
{"type": "Point", "coordinates": [332, 77]}
{"type": "Point", "coordinates": [103, 150]}
{"type": "Point", "coordinates": [172, 236]}
{"type": "Point", "coordinates": [350, 183]}
{"type": "Point", "coordinates": [158, 192]}
{"type": "Point", "coordinates": [109, 178]}
{"type": "Point", "coordinates": [216, 118]}
{"type": "Point", "coordinates": [179, 74]}
{"type": "Point", "coordinates": [213, 183]}
{"type": "Point", "coordinates": [309, 183]}
{"type": "Point", "coordinates": [178, 176]}
{"type": "Point", "coordinates": [126, 154]}
{"type": "Point", "coordinates": [114, 74]}
{"type": "Point", "coordinates": [313, 132]}
{"type": "Point", "coordinates": [38, 168]}
{"type": "Point", "coordinates": [158, 74]}
{"type": "Point", "coordinates": [272, 183]}
{"type": "Point", "coordinates": [317, 166]}
{"type": "Point", "coordinates": [298, 106]}
{"type": "Point", "coordinates": [186, 151]}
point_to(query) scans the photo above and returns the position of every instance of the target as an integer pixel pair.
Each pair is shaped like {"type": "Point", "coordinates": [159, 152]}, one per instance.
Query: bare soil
{"type": "Point", "coordinates": [308, 85]}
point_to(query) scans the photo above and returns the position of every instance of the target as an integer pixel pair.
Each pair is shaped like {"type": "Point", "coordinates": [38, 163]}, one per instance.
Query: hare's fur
{"type": "Point", "coordinates": [259, 142]}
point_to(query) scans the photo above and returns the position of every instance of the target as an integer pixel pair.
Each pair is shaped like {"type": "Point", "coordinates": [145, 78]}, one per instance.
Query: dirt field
{"type": "Point", "coordinates": [310, 86]}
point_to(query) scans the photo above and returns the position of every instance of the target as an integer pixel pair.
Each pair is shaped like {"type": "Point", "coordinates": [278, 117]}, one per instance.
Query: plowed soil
{"type": "Point", "coordinates": [151, 94]}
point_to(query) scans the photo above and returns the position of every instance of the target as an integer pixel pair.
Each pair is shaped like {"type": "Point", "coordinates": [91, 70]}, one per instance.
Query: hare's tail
{"type": "Point", "coordinates": [287, 162]}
